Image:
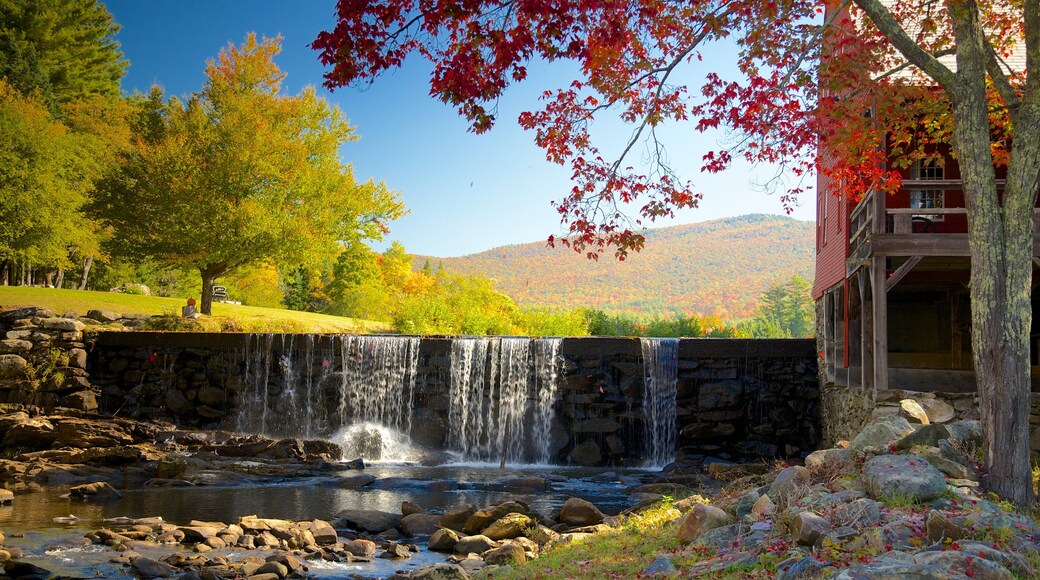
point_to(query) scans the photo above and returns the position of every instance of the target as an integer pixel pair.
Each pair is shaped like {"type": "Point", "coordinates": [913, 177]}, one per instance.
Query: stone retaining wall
{"type": "Point", "coordinates": [735, 397]}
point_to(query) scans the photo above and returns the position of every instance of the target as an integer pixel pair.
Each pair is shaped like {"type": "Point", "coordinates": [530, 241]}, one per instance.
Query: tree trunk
{"type": "Point", "coordinates": [1000, 239]}
{"type": "Point", "coordinates": [209, 276]}
{"type": "Point", "coordinates": [86, 272]}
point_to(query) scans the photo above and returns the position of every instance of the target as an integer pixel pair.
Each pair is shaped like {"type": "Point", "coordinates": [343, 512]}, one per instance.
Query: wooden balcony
{"type": "Point", "coordinates": [876, 230]}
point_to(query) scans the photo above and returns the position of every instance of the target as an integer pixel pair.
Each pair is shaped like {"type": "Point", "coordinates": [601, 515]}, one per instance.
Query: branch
{"type": "Point", "coordinates": [901, 41]}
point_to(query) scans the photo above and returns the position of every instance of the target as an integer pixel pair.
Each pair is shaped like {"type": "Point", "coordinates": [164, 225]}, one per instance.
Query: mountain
{"type": "Point", "coordinates": [715, 267]}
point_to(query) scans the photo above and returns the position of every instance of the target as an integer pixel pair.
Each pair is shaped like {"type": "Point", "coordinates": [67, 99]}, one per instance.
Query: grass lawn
{"type": "Point", "coordinates": [226, 317]}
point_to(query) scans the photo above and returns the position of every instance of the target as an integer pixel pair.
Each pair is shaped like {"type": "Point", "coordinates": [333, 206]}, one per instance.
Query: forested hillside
{"type": "Point", "coordinates": [718, 267]}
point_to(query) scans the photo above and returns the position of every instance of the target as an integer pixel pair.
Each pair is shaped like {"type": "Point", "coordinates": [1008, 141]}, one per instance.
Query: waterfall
{"type": "Point", "coordinates": [660, 370]}
{"type": "Point", "coordinates": [294, 390]}
{"type": "Point", "coordinates": [495, 383]}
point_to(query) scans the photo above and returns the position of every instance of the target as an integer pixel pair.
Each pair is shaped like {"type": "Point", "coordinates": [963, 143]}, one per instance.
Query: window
{"type": "Point", "coordinates": [927, 198]}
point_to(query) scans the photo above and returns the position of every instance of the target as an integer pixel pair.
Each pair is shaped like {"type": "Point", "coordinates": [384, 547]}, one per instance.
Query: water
{"type": "Point", "coordinates": [303, 389]}
{"type": "Point", "coordinates": [660, 370]}
{"type": "Point", "coordinates": [28, 522]}
{"type": "Point", "coordinates": [502, 398]}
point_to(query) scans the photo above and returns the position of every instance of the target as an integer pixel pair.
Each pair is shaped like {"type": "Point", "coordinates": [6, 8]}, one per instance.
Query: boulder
{"type": "Point", "coordinates": [508, 554]}
{"type": "Point", "coordinates": [586, 454]}
{"type": "Point", "coordinates": [81, 400]}
{"type": "Point", "coordinates": [879, 433]}
{"type": "Point", "coordinates": [477, 544]}
{"type": "Point", "coordinates": [420, 524]}
{"type": "Point", "coordinates": [440, 571]}
{"type": "Point", "coordinates": [456, 517]}
{"type": "Point", "coordinates": [700, 519]}
{"type": "Point", "coordinates": [938, 411]}
{"type": "Point", "coordinates": [12, 366]}
{"type": "Point", "coordinates": [361, 548]}
{"type": "Point", "coordinates": [789, 485]}
{"type": "Point", "coordinates": [443, 540]}
{"type": "Point", "coordinates": [806, 528]}
{"type": "Point", "coordinates": [508, 527]}
{"type": "Point", "coordinates": [84, 433]}
{"type": "Point", "coordinates": [910, 410]}
{"type": "Point", "coordinates": [372, 521]}
{"type": "Point", "coordinates": [14, 346]}
{"type": "Point", "coordinates": [97, 491]}
{"type": "Point", "coordinates": [577, 512]}
{"type": "Point", "coordinates": [63, 324]}
{"type": "Point", "coordinates": [907, 477]}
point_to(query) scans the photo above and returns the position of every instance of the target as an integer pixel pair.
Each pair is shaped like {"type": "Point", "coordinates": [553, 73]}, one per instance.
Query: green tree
{"type": "Point", "coordinates": [66, 49]}
{"type": "Point", "coordinates": [239, 173]}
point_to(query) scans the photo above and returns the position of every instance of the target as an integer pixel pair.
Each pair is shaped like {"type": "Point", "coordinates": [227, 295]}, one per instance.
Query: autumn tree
{"type": "Point", "coordinates": [240, 173]}
{"type": "Point", "coordinates": [632, 55]}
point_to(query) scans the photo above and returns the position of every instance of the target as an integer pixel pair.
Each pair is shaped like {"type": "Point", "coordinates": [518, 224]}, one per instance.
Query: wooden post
{"type": "Point", "coordinates": [880, 297]}
{"type": "Point", "coordinates": [866, 330]}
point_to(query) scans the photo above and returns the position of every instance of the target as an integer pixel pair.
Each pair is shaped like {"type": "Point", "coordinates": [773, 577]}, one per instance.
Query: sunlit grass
{"type": "Point", "coordinates": [226, 317]}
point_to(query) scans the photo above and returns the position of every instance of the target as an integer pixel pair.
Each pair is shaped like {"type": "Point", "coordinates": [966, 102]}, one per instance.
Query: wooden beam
{"type": "Point", "coordinates": [866, 331]}
{"type": "Point", "coordinates": [880, 299]}
{"type": "Point", "coordinates": [900, 272]}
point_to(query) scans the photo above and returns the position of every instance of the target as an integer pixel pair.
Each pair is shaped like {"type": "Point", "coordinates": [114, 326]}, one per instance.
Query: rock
{"type": "Point", "coordinates": [323, 532]}
{"type": "Point", "coordinates": [929, 435]}
{"type": "Point", "coordinates": [63, 324]}
{"type": "Point", "coordinates": [149, 568]}
{"type": "Point", "coordinates": [355, 481]}
{"type": "Point", "coordinates": [477, 544]}
{"type": "Point", "coordinates": [508, 554]}
{"type": "Point", "coordinates": [81, 400]}
{"type": "Point", "coordinates": [6, 498]}
{"type": "Point", "coordinates": [578, 512]}
{"type": "Point", "coordinates": [800, 569]}
{"type": "Point", "coordinates": [456, 517]}
{"type": "Point", "coordinates": [968, 565]}
{"type": "Point", "coordinates": [12, 366]}
{"type": "Point", "coordinates": [372, 521]}
{"type": "Point", "coordinates": [879, 433]}
{"type": "Point", "coordinates": [361, 548]}
{"type": "Point", "coordinates": [912, 412]}
{"type": "Point", "coordinates": [938, 528]}
{"type": "Point", "coordinates": [789, 485]}
{"type": "Point", "coordinates": [440, 571]}
{"type": "Point", "coordinates": [508, 527]}
{"type": "Point", "coordinates": [660, 567]}
{"type": "Point", "coordinates": [97, 491]}
{"type": "Point", "coordinates": [586, 454]}
{"type": "Point", "coordinates": [938, 411]}
{"type": "Point", "coordinates": [965, 433]}
{"type": "Point", "coordinates": [14, 346]}
{"type": "Point", "coordinates": [902, 477]}
{"type": "Point", "coordinates": [858, 514]}
{"type": "Point", "coordinates": [807, 527]}
{"type": "Point", "coordinates": [104, 315]}
{"type": "Point", "coordinates": [84, 433]}
{"type": "Point", "coordinates": [828, 460]}
{"type": "Point", "coordinates": [420, 524]}
{"type": "Point", "coordinates": [720, 395]}
{"type": "Point", "coordinates": [443, 540]}
{"type": "Point", "coordinates": [763, 508]}
{"type": "Point", "coordinates": [700, 519]}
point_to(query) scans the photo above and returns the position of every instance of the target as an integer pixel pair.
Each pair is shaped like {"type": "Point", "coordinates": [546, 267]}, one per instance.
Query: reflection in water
{"type": "Point", "coordinates": [28, 523]}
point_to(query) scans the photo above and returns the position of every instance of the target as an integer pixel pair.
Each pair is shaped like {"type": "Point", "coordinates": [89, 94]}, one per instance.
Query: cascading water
{"type": "Point", "coordinates": [491, 396]}
{"type": "Point", "coordinates": [367, 408]}
{"type": "Point", "coordinates": [660, 375]}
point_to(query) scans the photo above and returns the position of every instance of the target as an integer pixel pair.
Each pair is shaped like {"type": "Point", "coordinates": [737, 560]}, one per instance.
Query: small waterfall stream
{"type": "Point", "coordinates": [496, 384]}
{"type": "Point", "coordinates": [660, 369]}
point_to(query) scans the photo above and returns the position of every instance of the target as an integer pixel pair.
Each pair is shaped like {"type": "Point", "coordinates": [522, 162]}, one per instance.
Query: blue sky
{"type": "Point", "coordinates": [466, 193]}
